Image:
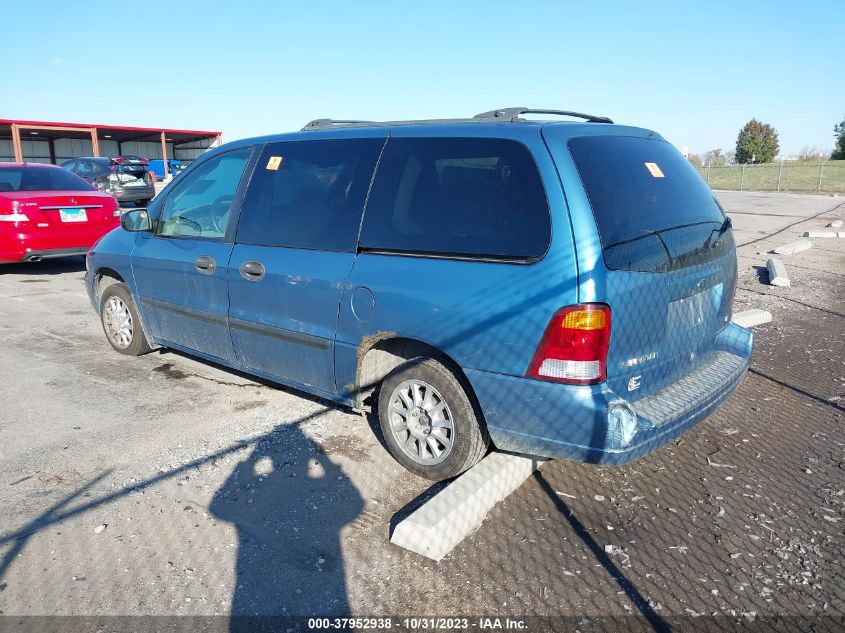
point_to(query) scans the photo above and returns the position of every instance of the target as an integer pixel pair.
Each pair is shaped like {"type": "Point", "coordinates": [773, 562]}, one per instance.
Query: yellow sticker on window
{"type": "Point", "coordinates": [654, 170]}
{"type": "Point", "coordinates": [274, 163]}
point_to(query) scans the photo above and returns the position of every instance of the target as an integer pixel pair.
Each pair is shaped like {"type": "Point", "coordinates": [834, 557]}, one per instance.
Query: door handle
{"type": "Point", "coordinates": [252, 270]}
{"type": "Point", "coordinates": [205, 264]}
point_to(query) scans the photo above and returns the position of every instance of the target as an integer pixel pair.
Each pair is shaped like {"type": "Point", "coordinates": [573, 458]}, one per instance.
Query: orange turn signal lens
{"type": "Point", "coordinates": [585, 320]}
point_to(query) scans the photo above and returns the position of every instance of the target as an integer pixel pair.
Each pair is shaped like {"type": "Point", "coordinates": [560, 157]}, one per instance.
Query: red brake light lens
{"type": "Point", "coordinates": [11, 212]}
{"type": "Point", "coordinates": [574, 348]}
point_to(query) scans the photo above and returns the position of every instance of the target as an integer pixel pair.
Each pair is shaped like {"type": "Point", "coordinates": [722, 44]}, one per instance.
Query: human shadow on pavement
{"type": "Point", "coordinates": [288, 503]}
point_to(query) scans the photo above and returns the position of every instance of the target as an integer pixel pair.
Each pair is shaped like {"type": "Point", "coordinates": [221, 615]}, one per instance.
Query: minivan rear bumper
{"type": "Point", "coordinates": [585, 423]}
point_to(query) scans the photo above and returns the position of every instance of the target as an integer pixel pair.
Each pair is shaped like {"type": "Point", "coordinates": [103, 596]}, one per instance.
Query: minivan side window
{"type": "Point", "coordinates": [309, 194]}
{"type": "Point", "coordinates": [200, 203]}
{"type": "Point", "coordinates": [464, 197]}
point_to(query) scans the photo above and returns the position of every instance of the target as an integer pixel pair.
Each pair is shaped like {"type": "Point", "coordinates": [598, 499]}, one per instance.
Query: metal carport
{"type": "Point", "coordinates": [53, 142]}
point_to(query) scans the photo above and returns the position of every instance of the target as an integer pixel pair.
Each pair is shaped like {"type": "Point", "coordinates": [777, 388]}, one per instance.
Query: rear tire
{"type": "Point", "coordinates": [428, 420]}
{"type": "Point", "coordinates": [120, 321]}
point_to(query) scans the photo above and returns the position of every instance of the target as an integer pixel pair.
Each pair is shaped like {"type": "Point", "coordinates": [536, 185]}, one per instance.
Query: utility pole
{"type": "Point", "coordinates": [821, 174]}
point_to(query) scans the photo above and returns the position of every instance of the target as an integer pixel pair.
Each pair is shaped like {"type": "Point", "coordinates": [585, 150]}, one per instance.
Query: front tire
{"type": "Point", "coordinates": [121, 323]}
{"type": "Point", "coordinates": [428, 420]}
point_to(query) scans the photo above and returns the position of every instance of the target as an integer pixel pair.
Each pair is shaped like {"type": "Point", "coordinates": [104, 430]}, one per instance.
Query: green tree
{"type": "Point", "coordinates": [839, 150]}
{"type": "Point", "coordinates": [695, 159]}
{"type": "Point", "coordinates": [757, 143]}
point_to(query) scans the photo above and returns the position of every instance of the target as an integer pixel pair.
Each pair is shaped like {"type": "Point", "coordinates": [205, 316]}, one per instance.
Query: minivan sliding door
{"type": "Point", "coordinates": [294, 248]}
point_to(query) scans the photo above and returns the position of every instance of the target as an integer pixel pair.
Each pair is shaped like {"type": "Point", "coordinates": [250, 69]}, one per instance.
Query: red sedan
{"type": "Point", "coordinates": [47, 211]}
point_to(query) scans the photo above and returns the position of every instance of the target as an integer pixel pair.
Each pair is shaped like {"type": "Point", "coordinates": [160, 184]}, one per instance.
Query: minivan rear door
{"type": "Point", "coordinates": [295, 246]}
{"type": "Point", "coordinates": [654, 244]}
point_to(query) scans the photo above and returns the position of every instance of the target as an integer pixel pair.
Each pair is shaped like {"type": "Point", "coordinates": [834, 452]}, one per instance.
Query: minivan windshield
{"type": "Point", "coordinates": [40, 179]}
{"type": "Point", "coordinates": [640, 186]}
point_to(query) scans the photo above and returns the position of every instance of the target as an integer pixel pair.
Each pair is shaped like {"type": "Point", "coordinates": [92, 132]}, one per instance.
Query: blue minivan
{"type": "Point", "coordinates": [556, 287]}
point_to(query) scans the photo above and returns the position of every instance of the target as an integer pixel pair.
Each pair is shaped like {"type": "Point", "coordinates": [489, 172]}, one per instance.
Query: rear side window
{"type": "Point", "coordinates": [309, 194]}
{"type": "Point", "coordinates": [469, 197]}
{"type": "Point", "coordinates": [92, 168]}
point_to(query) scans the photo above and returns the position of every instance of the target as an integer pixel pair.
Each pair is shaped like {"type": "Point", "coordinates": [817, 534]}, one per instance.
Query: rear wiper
{"type": "Point", "coordinates": [719, 232]}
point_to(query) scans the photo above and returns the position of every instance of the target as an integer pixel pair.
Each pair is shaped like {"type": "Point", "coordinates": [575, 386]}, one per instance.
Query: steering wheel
{"type": "Point", "coordinates": [220, 212]}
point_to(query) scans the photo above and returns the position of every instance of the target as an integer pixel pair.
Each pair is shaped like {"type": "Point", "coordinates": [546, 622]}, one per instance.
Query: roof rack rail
{"type": "Point", "coordinates": [323, 123]}
{"type": "Point", "coordinates": [513, 114]}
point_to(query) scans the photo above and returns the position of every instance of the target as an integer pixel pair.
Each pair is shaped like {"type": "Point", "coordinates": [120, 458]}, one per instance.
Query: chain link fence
{"type": "Point", "coordinates": [815, 177]}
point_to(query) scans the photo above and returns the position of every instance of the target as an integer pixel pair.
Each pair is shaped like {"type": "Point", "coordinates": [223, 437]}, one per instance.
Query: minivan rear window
{"type": "Point", "coordinates": [461, 197]}
{"type": "Point", "coordinates": [646, 198]}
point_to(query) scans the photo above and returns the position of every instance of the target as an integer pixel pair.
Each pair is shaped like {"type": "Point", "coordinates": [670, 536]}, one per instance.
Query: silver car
{"type": "Point", "coordinates": [128, 181]}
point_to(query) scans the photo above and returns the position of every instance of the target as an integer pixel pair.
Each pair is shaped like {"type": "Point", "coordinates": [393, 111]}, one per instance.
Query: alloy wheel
{"type": "Point", "coordinates": [421, 422]}
{"type": "Point", "coordinates": [118, 322]}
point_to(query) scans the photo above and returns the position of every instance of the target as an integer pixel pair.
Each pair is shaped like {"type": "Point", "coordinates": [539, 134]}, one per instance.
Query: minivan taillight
{"type": "Point", "coordinates": [574, 348]}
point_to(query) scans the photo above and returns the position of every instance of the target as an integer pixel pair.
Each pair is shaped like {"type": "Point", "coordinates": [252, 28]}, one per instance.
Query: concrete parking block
{"type": "Point", "coordinates": [751, 318]}
{"type": "Point", "coordinates": [835, 224]}
{"type": "Point", "coordinates": [777, 273]}
{"type": "Point", "coordinates": [435, 528]}
{"type": "Point", "coordinates": [820, 234]}
{"type": "Point", "coordinates": [793, 247]}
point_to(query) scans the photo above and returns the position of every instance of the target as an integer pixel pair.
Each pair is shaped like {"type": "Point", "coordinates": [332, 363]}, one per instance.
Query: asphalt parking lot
{"type": "Point", "coordinates": [162, 485]}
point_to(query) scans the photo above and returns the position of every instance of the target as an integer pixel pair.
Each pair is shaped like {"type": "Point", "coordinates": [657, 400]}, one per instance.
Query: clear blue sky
{"type": "Point", "coordinates": [695, 72]}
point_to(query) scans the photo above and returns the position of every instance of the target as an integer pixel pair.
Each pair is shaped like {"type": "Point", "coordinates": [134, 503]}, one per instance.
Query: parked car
{"type": "Point", "coordinates": [126, 180]}
{"type": "Point", "coordinates": [46, 211]}
{"type": "Point", "coordinates": [132, 164]}
{"type": "Point", "coordinates": [175, 167]}
{"type": "Point", "coordinates": [558, 288]}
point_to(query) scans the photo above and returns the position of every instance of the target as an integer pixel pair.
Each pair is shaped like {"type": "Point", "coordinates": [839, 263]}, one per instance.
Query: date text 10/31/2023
{"type": "Point", "coordinates": [418, 623]}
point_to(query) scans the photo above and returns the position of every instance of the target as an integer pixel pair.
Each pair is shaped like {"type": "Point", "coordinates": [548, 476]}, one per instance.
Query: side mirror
{"type": "Point", "coordinates": [136, 220]}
